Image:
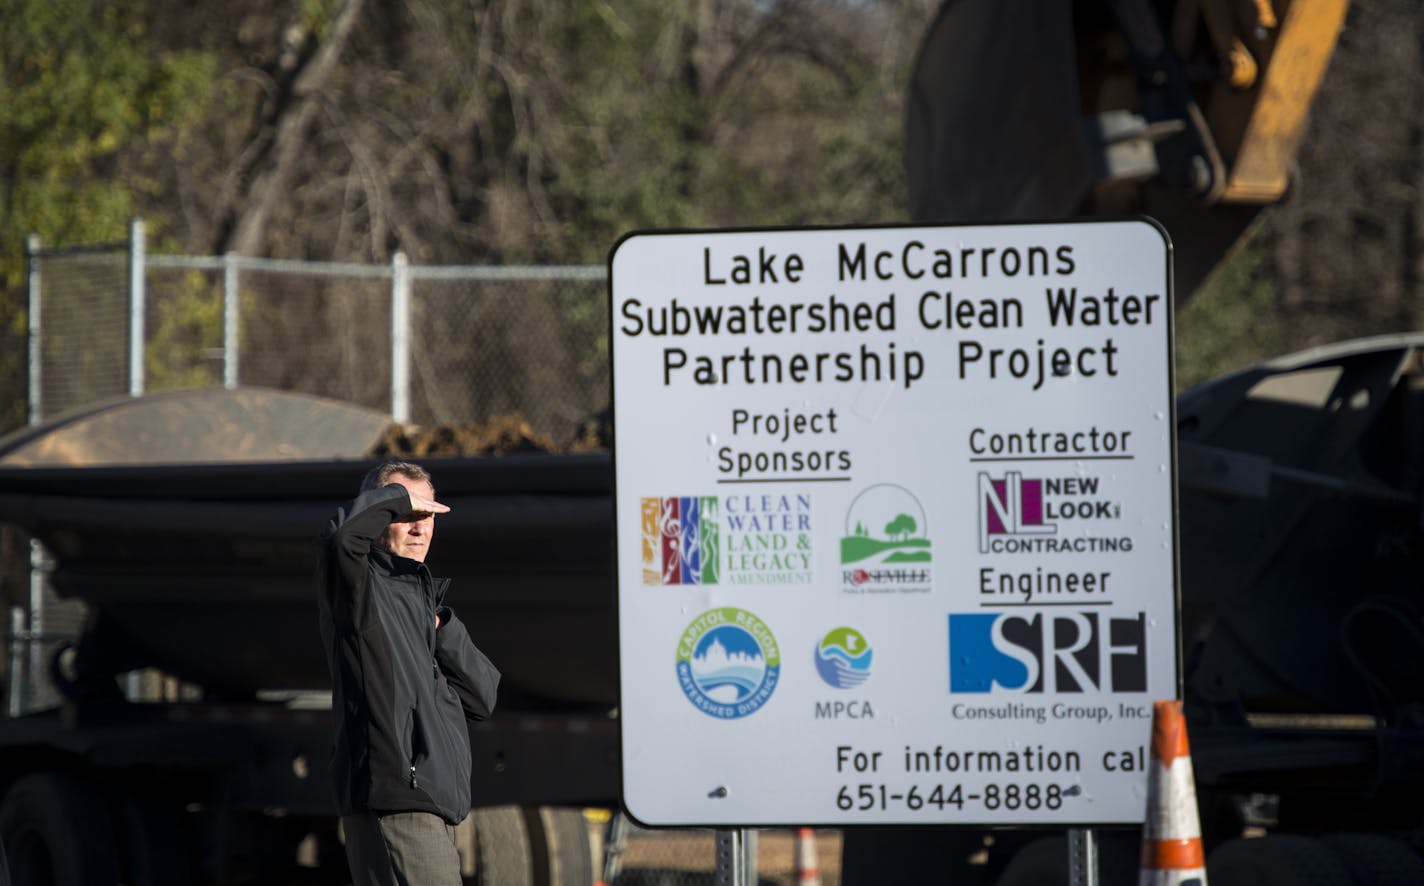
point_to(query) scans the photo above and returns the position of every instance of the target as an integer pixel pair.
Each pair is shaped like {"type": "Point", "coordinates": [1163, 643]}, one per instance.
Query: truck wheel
{"type": "Point", "coordinates": [568, 855]}
{"type": "Point", "coordinates": [1275, 860]}
{"type": "Point", "coordinates": [56, 832]}
{"type": "Point", "coordinates": [502, 855]}
{"type": "Point", "coordinates": [153, 841]}
{"type": "Point", "coordinates": [1376, 860]}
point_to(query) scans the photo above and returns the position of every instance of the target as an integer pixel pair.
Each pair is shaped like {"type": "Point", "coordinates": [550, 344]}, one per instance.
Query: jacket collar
{"type": "Point", "coordinates": [397, 565]}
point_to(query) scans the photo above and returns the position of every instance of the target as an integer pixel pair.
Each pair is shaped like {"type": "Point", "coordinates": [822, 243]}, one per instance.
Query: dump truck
{"type": "Point", "coordinates": [185, 523]}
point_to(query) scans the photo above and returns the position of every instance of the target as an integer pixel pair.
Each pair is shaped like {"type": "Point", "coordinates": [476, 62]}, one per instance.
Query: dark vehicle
{"type": "Point", "coordinates": [201, 572]}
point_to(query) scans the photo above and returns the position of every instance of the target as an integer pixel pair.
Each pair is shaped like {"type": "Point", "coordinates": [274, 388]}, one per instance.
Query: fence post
{"type": "Point", "coordinates": [400, 338]}
{"type": "Point", "coordinates": [19, 642]}
{"type": "Point", "coordinates": [32, 267]}
{"type": "Point", "coordinates": [136, 304]}
{"type": "Point", "coordinates": [230, 321]}
{"type": "Point", "coordinates": [15, 682]}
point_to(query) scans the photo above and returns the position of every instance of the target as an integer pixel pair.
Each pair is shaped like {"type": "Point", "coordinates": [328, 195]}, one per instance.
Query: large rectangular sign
{"type": "Point", "coordinates": [895, 537]}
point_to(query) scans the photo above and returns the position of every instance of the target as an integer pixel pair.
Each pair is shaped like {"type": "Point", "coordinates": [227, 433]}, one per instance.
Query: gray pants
{"type": "Point", "coordinates": [401, 849]}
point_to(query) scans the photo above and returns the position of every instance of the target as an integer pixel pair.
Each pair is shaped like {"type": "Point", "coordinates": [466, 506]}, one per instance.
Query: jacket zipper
{"type": "Point", "coordinates": [427, 592]}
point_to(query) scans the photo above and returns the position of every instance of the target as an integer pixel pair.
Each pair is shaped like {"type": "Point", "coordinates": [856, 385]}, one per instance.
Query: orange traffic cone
{"type": "Point", "coordinates": [1171, 836]}
{"type": "Point", "coordinates": [807, 874]}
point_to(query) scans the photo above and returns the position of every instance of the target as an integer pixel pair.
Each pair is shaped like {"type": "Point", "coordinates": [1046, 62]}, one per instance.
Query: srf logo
{"type": "Point", "coordinates": [681, 541]}
{"type": "Point", "coordinates": [1047, 652]}
{"type": "Point", "coordinates": [1011, 506]}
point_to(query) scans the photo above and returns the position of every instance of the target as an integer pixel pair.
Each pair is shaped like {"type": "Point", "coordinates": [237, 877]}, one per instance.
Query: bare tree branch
{"type": "Point", "coordinates": [284, 130]}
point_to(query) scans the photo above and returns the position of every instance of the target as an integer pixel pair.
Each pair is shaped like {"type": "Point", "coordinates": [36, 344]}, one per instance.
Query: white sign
{"type": "Point", "coordinates": [894, 522]}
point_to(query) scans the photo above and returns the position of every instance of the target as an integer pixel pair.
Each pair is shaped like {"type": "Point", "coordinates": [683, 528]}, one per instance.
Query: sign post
{"type": "Point", "coordinates": [895, 522]}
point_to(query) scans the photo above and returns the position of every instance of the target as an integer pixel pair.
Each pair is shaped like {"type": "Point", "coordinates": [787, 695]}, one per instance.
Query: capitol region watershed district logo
{"type": "Point", "coordinates": [736, 539]}
{"type": "Point", "coordinates": [886, 546]}
{"type": "Point", "coordinates": [728, 663]}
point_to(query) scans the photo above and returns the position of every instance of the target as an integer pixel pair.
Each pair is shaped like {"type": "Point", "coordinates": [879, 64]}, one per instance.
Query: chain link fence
{"type": "Point", "coordinates": [79, 327]}
{"type": "Point", "coordinates": [443, 345]}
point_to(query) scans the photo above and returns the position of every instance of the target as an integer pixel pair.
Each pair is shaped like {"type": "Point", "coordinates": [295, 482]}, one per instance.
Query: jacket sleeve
{"type": "Point", "coordinates": [344, 546]}
{"type": "Point", "coordinates": [468, 670]}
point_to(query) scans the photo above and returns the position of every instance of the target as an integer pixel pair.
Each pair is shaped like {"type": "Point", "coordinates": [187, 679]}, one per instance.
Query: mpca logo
{"type": "Point", "coordinates": [728, 663]}
{"type": "Point", "coordinates": [843, 658]}
{"type": "Point", "coordinates": [681, 540]}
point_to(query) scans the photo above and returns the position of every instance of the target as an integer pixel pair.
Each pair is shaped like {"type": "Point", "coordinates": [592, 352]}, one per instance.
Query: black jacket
{"type": "Point", "coordinates": [401, 689]}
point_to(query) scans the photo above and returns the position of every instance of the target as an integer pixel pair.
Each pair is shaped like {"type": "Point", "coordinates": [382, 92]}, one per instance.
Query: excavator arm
{"type": "Point", "coordinates": [1190, 111]}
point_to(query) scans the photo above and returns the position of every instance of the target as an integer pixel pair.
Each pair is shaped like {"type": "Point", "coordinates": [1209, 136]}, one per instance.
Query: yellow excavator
{"type": "Point", "coordinates": [1190, 111]}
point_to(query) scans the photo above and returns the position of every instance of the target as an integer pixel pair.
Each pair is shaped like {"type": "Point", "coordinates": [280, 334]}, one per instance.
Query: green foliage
{"type": "Point", "coordinates": [186, 324]}
{"type": "Point", "coordinates": [80, 86]}
{"type": "Point", "coordinates": [650, 117]}
{"type": "Point", "coordinates": [1232, 321]}
{"type": "Point", "coordinates": [901, 526]}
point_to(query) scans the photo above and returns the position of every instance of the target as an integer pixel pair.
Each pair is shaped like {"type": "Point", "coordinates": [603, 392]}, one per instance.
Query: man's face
{"type": "Point", "coordinates": [410, 536]}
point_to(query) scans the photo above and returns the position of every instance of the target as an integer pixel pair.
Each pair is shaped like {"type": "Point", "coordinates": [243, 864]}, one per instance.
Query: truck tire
{"type": "Point", "coordinates": [57, 833]}
{"type": "Point", "coordinates": [1376, 860]}
{"type": "Point", "coordinates": [153, 840]}
{"type": "Point", "coordinates": [566, 847]}
{"type": "Point", "coordinates": [502, 852]}
{"type": "Point", "coordinates": [1275, 860]}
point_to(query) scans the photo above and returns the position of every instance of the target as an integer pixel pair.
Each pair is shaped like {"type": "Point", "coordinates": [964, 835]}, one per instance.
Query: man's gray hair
{"type": "Point", "coordinates": [382, 473]}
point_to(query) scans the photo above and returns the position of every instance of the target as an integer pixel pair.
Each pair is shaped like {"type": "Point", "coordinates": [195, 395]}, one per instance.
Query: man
{"type": "Point", "coordinates": [405, 677]}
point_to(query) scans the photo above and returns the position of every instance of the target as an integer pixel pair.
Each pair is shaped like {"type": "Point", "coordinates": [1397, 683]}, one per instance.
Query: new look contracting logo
{"type": "Point", "coordinates": [1020, 515]}
{"type": "Point", "coordinates": [1010, 506]}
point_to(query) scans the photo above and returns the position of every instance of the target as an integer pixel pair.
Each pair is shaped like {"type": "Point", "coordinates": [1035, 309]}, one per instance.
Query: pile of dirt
{"type": "Point", "coordinates": [501, 435]}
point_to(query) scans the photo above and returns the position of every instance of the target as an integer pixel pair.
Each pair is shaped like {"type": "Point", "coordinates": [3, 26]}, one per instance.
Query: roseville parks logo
{"type": "Point", "coordinates": [886, 546]}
